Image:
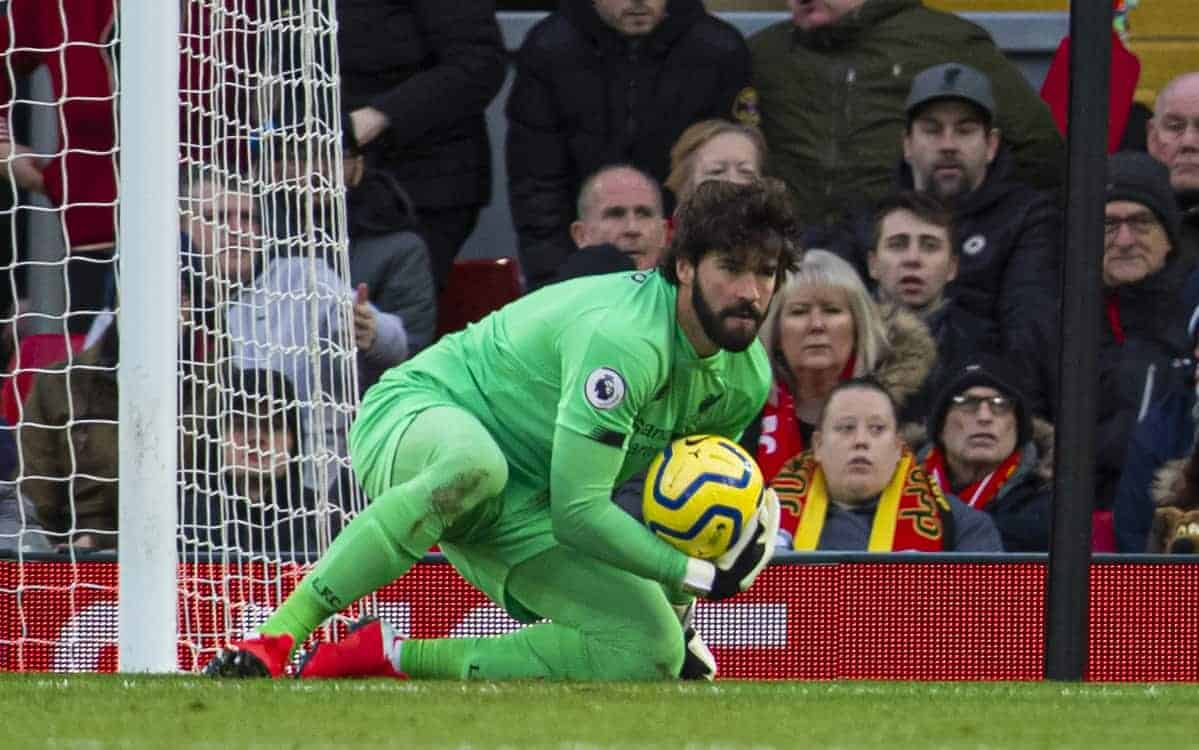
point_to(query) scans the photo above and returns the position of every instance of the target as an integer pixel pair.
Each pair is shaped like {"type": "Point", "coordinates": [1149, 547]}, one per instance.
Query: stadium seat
{"type": "Point", "coordinates": [476, 287]}
{"type": "Point", "coordinates": [35, 352]}
{"type": "Point", "coordinates": [1103, 531]}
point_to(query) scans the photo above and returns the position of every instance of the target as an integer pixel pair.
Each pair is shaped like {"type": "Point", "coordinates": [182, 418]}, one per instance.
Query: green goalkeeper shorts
{"type": "Point", "coordinates": [402, 431]}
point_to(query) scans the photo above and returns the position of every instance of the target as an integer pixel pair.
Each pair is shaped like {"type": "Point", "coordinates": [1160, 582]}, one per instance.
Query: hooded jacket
{"type": "Point", "coordinates": [832, 101]}
{"type": "Point", "coordinates": [432, 66]}
{"type": "Point", "coordinates": [394, 264]}
{"type": "Point", "coordinates": [905, 370]}
{"type": "Point", "coordinates": [291, 307]}
{"type": "Point", "coordinates": [1165, 433]}
{"type": "Point", "coordinates": [585, 97]}
{"type": "Point", "coordinates": [959, 333]}
{"type": "Point", "coordinates": [1154, 338]}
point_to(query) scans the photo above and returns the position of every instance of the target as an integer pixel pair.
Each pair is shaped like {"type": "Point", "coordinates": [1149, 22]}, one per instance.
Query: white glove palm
{"type": "Point", "coordinates": [738, 568]}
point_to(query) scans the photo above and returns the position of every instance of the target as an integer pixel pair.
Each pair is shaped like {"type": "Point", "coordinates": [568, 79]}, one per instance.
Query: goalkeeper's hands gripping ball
{"type": "Point", "coordinates": [738, 568]}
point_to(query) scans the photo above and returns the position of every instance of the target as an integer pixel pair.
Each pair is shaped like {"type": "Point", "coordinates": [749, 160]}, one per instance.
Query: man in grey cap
{"type": "Point", "coordinates": [1007, 232]}
{"type": "Point", "coordinates": [950, 138]}
{"type": "Point", "coordinates": [830, 83]}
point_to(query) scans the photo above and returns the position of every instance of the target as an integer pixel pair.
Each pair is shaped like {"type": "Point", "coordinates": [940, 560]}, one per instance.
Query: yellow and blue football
{"type": "Point", "coordinates": [701, 494]}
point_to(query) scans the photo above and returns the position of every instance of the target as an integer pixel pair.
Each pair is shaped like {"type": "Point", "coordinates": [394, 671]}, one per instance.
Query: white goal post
{"type": "Point", "coordinates": [149, 313]}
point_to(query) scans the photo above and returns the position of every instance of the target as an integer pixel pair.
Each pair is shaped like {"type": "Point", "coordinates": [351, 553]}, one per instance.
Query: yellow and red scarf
{"type": "Point", "coordinates": [781, 439]}
{"type": "Point", "coordinates": [910, 515]}
{"type": "Point", "coordinates": [979, 494]}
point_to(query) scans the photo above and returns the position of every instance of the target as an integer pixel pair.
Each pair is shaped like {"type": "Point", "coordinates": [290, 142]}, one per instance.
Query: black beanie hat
{"type": "Point", "coordinates": [1138, 177]}
{"type": "Point", "coordinates": [986, 370]}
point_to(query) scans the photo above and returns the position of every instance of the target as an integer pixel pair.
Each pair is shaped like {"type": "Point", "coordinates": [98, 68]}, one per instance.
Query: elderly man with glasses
{"type": "Point", "coordinates": [1143, 330]}
{"type": "Point", "coordinates": [987, 451]}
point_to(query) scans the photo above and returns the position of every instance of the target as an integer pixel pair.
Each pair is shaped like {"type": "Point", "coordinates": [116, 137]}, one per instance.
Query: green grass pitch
{"type": "Point", "coordinates": [87, 712]}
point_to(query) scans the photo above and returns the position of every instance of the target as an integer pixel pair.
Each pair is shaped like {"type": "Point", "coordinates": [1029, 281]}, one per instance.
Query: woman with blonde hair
{"type": "Point", "coordinates": [715, 150]}
{"type": "Point", "coordinates": [823, 327]}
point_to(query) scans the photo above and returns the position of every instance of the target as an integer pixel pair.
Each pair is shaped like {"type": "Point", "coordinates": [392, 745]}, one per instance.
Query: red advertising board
{"type": "Point", "coordinates": [837, 620]}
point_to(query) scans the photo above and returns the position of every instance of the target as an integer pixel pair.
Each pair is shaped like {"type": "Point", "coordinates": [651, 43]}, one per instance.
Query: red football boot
{"type": "Point", "coordinates": [365, 652]}
{"type": "Point", "coordinates": [256, 656]}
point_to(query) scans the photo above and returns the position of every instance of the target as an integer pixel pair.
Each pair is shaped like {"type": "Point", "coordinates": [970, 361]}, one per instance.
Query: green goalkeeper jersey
{"type": "Point", "coordinates": [582, 384]}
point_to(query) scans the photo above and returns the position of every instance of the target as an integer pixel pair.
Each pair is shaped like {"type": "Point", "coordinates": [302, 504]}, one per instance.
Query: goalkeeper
{"type": "Point", "coordinates": [502, 445]}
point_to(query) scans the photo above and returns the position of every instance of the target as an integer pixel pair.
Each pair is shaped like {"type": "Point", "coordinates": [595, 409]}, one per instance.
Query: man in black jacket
{"type": "Point", "coordinates": [1144, 325]}
{"type": "Point", "coordinates": [416, 78]}
{"type": "Point", "coordinates": [913, 258]}
{"type": "Point", "coordinates": [600, 82]}
{"type": "Point", "coordinates": [1006, 231]}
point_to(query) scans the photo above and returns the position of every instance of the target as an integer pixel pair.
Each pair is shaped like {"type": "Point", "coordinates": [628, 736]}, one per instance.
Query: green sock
{"type": "Point", "coordinates": [301, 614]}
{"type": "Point", "coordinates": [366, 556]}
{"type": "Point", "coordinates": [440, 658]}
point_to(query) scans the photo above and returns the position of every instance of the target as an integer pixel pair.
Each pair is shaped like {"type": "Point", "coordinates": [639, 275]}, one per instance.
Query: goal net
{"type": "Point", "coordinates": [266, 365]}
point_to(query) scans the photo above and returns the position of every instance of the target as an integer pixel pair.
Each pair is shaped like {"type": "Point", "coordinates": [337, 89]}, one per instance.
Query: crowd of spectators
{"type": "Point", "coordinates": [914, 351]}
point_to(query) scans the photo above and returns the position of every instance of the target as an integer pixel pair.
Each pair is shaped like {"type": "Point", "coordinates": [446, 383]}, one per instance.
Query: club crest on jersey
{"type": "Point", "coordinates": [605, 388]}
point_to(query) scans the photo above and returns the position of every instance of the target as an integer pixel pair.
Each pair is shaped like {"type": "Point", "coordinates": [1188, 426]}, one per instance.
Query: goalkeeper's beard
{"type": "Point", "coordinates": [713, 323]}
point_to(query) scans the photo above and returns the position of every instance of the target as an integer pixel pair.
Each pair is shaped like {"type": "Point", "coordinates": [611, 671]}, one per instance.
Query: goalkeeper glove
{"type": "Point", "coordinates": [698, 661]}
{"type": "Point", "coordinates": [738, 568]}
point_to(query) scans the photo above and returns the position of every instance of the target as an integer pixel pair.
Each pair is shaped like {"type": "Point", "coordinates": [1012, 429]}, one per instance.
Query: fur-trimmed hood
{"type": "Point", "coordinates": [1175, 483]}
{"type": "Point", "coordinates": [911, 357]}
{"type": "Point", "coordinates": [1042, 438]}
{"type": "Point", "coordinates": [1176, 519]}
{"type": "Point", "coordinates": [907, 365]}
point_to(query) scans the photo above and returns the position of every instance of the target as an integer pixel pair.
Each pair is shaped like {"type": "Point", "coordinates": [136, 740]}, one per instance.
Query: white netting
{"type": "Point", "coordinates": [57, 108]}
{"type": "Point", "coordinates": [269, 302]}
{"type": "Point", "coordinates": [266, 369]}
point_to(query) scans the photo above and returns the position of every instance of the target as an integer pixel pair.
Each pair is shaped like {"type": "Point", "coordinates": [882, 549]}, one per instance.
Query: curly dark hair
{"type": "Point", "coordinates": [720, 216]}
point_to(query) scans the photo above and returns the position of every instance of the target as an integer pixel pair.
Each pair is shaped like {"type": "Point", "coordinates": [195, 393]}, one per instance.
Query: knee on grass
{"type": "Point", "coordinates": [654, 656]}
